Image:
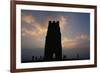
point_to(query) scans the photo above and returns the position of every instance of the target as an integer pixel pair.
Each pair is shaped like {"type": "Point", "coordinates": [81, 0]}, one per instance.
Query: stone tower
{"type": "Point", "coordinates": [53, 45]}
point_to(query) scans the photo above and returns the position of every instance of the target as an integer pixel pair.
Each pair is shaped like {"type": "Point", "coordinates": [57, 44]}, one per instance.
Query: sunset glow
{"type": "Point", "coordinates": [35, 28]}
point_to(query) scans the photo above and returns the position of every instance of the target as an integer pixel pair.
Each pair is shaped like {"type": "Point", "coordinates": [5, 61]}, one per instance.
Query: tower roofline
{"type": "Point", "coordinates": [54, 22]}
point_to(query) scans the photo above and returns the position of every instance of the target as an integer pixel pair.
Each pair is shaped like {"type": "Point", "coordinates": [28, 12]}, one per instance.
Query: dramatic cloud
{"type": "Point", "coordinates": [28, 19]}
{"type": "Point", "coordinates": [68, 42]}
{"type": "Point", "coordinates": [34, 28]}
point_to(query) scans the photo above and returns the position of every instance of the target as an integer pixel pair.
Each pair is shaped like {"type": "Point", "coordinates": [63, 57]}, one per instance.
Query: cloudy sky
{"type": "Point", "coordinates": [75, 33]}
{"type": "Point", "coordinates": [75, 28]}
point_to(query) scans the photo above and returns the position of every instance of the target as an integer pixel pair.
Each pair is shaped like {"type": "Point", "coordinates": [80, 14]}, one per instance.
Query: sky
{"type": "Point", "coordinates": [74, 27]}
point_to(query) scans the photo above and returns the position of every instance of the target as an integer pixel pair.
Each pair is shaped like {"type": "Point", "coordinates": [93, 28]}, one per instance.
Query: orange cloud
{"type": "Point", "coordinates": [37, 35]}
{"type": "Point", "coordinates": [38, 31]}
{"type": "Point", "coordinates": [84, 37]}
{"type": "Point", "coordinates": [35, 30]}
{"type": "Point", "coordinates": [31, 29]}
{"type": "Point", "coordinates": [29, 19]}
{"type": "Point", "coordinates": [68, 42]}
{"type": "Point", "coordinates": [63, 22]}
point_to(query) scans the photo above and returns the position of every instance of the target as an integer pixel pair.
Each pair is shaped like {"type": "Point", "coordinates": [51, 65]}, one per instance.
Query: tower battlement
{"type": "Point", "coordinates": [54, 22]}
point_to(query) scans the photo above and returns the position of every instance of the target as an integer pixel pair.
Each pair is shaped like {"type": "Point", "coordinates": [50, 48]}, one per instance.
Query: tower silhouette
{"type": "Point", "coordinates": [53, 42]}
